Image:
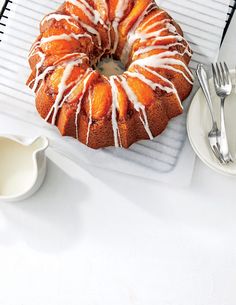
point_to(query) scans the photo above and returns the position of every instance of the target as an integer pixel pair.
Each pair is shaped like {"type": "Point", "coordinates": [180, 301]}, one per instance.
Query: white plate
{"type": "Point", "coordinates": [199, 124]}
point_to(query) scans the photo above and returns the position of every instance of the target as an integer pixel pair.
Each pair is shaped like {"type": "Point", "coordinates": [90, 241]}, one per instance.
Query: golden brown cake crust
{"type": "Point", "coordinates": [119, 110]}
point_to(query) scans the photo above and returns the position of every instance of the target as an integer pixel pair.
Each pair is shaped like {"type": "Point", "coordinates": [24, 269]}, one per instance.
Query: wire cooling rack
{"type": "Point", "coordinates": [232, 9]}
{"type": "Point", "coordinates": [4, 18]}
{"type": "Point", "coordinates": [156, 159]}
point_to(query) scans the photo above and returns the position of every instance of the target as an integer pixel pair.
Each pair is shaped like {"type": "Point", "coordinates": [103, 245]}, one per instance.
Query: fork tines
{"type": "Point", "coordinates": [221, 74]}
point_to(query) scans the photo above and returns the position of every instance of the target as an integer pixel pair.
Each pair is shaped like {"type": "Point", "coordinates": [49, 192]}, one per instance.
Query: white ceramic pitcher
{"type": "Point", "coordinates": [22, 166]}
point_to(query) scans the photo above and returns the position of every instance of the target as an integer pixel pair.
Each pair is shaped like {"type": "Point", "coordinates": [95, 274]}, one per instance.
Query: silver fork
{"type": "Point", "coordinates": [214, 133]}
{"type": "Point", "coordinates": [223, 87]}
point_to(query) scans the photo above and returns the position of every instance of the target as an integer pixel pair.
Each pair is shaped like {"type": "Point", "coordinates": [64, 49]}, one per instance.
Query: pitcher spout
{"type": "Point", "coordinates": [40, 144]}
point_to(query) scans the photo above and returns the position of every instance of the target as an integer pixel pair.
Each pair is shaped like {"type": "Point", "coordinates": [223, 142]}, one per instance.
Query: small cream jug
{"type": "Point", "coordinates": [22, 166]}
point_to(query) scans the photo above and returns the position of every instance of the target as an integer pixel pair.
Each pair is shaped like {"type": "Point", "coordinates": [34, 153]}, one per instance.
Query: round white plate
{"type": "Point", "coordinates": [199, 124]}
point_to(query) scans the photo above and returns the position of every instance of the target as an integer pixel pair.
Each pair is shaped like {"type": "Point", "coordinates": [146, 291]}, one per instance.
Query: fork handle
{"type": "Point", "coordinates": [203, 80]}
{"type": "Point", "coordinates": [223, 139]}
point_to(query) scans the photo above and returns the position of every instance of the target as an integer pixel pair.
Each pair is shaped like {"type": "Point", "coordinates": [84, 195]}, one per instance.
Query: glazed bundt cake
{"type": "Point", "coordinates": [115, 110]}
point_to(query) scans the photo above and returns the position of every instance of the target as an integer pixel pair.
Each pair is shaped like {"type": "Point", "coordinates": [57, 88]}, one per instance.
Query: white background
{"type": "Point", "coordinates": [114, 239]}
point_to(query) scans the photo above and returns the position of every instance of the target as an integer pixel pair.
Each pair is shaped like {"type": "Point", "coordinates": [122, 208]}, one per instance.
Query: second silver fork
{"type": "Point", "coordinates": [223, 87]}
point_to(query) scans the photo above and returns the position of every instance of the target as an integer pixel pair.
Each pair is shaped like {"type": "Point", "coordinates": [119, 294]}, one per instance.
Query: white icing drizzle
{"type": "Point", "coordinates": [70, 85]}
{"type": "Point", "coordinates": [167, 81]}
{"type": "Point", "coordinates": [67, 37]}
{"type": "Point", "coordinates": [85, 3]}
{"type": "Point", "coordinates": [148, 82]}
{"type": "Point", "coordinates": [156, 85]}
{"type": "Point", "coordinates": [39, 77]}
{"type": "Point", "coordinates": [35, 46]}
{"type": "Point", "coordinates": [127, 47]}
{"type": "Point", "coordinates": [171, 28]}
{"type": "Point", "coordinates": [152, 6]}
{"type": "Point", "coordinates": [61, 89]}
{"type": "Point", "coordinates": [42, 77]}
{"type": "Point", "coordinates": [35, 50]}
{"type": "Point", "coordinates": [92, 30]}
{"type": "Point", "coordinates": [137, 106]}
{"type": "Point", "coordinates": [178, 38]}
{"type": "Point", "coordinates": [159, 61]}
{"type": "Point", "coordinates": [40, 63]}
{"type": "Point", "coordinates": [86, 8]}
{"type": "Point", "coordinates": [90, 117]}
{"type": "Point", "coordinates": [153, 25]}
{"type": "Point", "coordinates": [76, 54]}
{"type": "Point", "coordinates": [76, 120]}
{"type": "Point", "coordinates": [115, 25]}
{"type": "Point", "coordinates": [164, 47]}
{"type": "Point", "coordinates": [109, 37]}
{"type": "Point", "coordinates": [115, 108]}
{"type": "Point", "coordinates": [88, 28]}
{"type": "Point", "coordinates": [105, 6]}
{"type": "Point", "coordinates": [145, 36]}
{"type": "Point", "coordinates": [89, 73]}
{"type": "Point", "coordinates": [119, 14]}
{"type": "Point", "coordinates": [92, 14]}
{"type": "Point", "coordinates": [57, 17]}
{"type": "Point", "coordinates": [96, 14]}
{"type": "Point", "coordinates": [150, 19]}
{"type": "Point", "coordinates": [121, 7]}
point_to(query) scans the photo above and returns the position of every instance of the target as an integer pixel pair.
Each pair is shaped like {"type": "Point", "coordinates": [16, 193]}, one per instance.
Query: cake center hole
{"type": "Point", "coordinates": [110, 66]}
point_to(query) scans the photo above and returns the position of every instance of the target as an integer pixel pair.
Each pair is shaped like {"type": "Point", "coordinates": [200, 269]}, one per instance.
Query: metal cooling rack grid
{"type": "Point", "coordinates": [161, 154]}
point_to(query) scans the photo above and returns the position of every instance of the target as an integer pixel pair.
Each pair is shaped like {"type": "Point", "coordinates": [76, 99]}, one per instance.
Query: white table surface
{"type": "Point", "coordinates": [115, 239]}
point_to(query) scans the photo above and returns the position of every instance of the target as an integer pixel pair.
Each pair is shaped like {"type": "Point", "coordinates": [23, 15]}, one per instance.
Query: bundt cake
{"type": "Point", "coordinates": [115, 110]}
